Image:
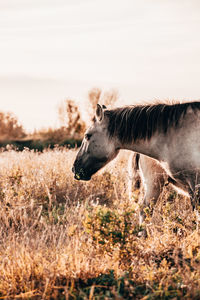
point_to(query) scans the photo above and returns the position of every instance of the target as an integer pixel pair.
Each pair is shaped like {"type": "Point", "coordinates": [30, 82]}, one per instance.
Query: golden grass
{"type": "Point", "coordinates": [63, 239]}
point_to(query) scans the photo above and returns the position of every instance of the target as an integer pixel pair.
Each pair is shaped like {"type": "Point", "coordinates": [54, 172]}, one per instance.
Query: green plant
{"type": "Point", "coordinates": [111, 229]}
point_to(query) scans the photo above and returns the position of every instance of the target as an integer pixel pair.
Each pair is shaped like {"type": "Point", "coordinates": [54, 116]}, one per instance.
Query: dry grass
{"type": "Point", "coordinates": [63, 239]}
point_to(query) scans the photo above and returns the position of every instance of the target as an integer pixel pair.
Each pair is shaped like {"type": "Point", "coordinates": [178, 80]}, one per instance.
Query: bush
{"type": "Point", "coordinates": [113, 230]}
{"type": "Point", "coordinates": [10, 127]}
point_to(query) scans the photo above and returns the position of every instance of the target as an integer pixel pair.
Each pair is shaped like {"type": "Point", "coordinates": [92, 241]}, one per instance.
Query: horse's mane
{"type": "Point", "coordinates": [142, 121]}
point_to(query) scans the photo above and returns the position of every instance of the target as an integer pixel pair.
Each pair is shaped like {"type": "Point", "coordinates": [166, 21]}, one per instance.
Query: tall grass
{"type": "Point", "coordinates": [63, 239]}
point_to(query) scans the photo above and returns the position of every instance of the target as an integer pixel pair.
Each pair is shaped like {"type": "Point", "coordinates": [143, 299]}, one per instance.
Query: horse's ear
{"type": "Point", "coordinates": [99, 112]}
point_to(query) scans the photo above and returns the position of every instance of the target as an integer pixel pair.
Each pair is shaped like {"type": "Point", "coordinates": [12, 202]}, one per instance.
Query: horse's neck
{"type": "Point", "coordinates": [155, 147]}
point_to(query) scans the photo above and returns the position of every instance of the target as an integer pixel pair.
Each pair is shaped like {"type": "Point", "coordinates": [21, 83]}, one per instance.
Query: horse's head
{"type": "Point", "coordinates": [97, 148]}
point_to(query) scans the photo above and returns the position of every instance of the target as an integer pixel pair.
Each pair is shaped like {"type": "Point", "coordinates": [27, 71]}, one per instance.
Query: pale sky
{"type": "Point", "coordinates": [51, 50]}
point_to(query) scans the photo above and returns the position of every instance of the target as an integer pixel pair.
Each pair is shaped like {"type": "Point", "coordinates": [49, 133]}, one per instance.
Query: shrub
{"type": "Point", "coordinates": [10, 127]}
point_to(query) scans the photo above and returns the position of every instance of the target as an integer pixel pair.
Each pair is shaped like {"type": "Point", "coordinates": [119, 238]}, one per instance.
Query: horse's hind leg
{"type": "Point", "coordinates": [153, 179]}
{"type": "Point", "coordinates": [151, 195]}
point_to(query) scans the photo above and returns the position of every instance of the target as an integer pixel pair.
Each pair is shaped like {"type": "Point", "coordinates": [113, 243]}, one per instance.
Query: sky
{"type": "Point", "coordinates": [51, 50]}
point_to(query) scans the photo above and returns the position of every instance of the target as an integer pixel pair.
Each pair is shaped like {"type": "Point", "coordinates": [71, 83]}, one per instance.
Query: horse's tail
{"type": "Point", "coordinates": [137, 158]}
{"type": "Point", "coordinates": [136, 169]}
{"type": "Point", "coordinates": [133, 171]}
{"type": "Point", "coordinates": [134, 179]}
{"type": "Point", "coordinates": [171, 180]}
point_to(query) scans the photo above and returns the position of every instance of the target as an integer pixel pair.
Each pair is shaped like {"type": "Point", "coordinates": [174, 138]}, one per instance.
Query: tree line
{"type": "Point", "coordinates": [72, 125]}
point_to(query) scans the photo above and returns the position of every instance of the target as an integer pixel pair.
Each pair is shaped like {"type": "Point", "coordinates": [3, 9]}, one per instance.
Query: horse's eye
{"type": "Point", "coordinates": [87, 136]}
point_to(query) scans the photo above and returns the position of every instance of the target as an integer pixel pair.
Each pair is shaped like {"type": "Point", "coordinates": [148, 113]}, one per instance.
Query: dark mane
{"type": "Point", "coordinates": [142, 121]}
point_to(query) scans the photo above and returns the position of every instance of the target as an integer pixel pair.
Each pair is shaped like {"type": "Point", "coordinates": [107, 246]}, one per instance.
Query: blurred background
{"type": "Point", "coordinates": [58, 58]}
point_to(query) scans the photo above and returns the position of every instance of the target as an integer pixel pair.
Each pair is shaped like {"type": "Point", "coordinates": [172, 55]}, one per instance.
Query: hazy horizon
{"type": "Point", "coordinates": [55, 49]}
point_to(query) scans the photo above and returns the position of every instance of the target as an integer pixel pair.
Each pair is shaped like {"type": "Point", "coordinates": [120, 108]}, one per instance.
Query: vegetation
{"type": "Point", "coordinates": [63, 239]}
{"type": "Point", "coordinates": [69, 134]}
{"type": "Point", "coordinates": [10, 127]}
{"type": "Point", "coordinates": [70, 117]}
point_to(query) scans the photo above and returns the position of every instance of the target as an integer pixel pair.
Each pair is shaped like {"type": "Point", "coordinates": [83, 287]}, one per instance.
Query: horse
{"type": "Point", "coordinates": [167, 133]}
{"type": "Point", "coordinates": [149, 175]}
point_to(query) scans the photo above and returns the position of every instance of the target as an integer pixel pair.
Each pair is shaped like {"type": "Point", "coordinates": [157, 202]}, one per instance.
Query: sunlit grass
{"type": "Point", "coordinates": [65, 239]}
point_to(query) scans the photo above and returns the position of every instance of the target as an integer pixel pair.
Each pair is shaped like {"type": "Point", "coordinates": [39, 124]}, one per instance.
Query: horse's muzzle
{"type": "Point", "coordinates": [80, 175]}
{"type": "Point", "coordinates": [85, 178]}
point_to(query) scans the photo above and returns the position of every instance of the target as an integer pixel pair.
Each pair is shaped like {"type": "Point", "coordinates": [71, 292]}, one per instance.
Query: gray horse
{"type": "Point", "coordinates": [168, 133]}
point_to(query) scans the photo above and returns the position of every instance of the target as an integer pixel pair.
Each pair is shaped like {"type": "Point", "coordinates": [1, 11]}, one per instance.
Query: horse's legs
{"type": "Point", "coordinates": [153, 178]}
{"type": "Point", "coordinates": [149, 200]}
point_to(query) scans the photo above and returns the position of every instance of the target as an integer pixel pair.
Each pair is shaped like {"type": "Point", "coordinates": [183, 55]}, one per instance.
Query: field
{"type": "Point", "coordinates": [63, 239]}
